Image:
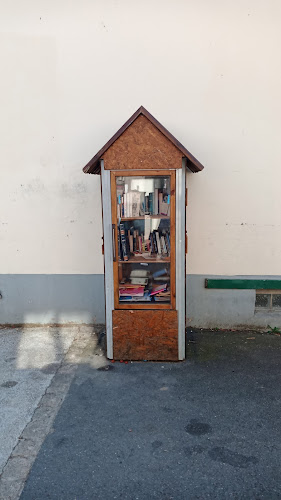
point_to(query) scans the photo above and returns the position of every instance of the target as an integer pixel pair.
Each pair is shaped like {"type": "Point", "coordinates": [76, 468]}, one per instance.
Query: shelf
{"type": "Point", "coordinates": [135, 259]}
{"type": "Point", "coordinates": [143, 217]}
{"type": "Point", "coordinates": [149, 305]}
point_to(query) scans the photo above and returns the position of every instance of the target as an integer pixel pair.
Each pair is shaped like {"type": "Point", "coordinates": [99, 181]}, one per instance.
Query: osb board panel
{"type": "Point", "coordinates": [142, 146]}
{"type": "Point", "coordinates": [140, 334]}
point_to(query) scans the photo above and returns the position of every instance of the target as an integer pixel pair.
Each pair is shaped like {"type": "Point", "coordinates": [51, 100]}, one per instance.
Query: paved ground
{"type": "Point", "coordinates": [37, 366]}
{"type": "Point", "coordinates": [29, 360]}
{"type": "Point", "coordinates": [206, 428]}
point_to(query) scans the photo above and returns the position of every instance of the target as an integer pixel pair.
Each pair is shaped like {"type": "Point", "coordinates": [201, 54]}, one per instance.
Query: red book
{"type": "Point", "coordinates": [132, 292]}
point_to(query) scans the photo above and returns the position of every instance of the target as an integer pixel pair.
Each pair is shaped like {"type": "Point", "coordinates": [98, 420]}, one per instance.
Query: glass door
{"type": "Point", "coordinates": [143, 211]}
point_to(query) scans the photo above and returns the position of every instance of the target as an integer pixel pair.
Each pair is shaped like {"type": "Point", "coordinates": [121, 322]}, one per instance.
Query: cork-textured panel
{"type": "Point", "coordinates": [150, 335]}
{"type": "Point", "coordinates": [142, 146]}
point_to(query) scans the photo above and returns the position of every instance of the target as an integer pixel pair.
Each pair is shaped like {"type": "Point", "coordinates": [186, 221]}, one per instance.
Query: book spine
{"type": "Point", "coordinates": [119, 245]}
{"type": "Point", "coordinates": [156, 201]}
{"type": "Point", "coordinates": [140, 244]}
{"type": "Point", "coordinates": [158, 243]}
{"type": "Point", "coordinates": [152, 248]}
{"type": "Point", "coordinates": [150, 203]}
{"type": "Point", "coordinates": [143, 243]}
{"type": "Point", "coordinates": [142, 204]}
{"type": "Point", "coordinates": [163, 246]}
{"type": "Point", "coordinates": [131, 242]}
{"type": "Point", "coordinates": [146, 204]}
{"type": "Point", "coordinates": [129, 204]}
{"type": "Point", "coordinates": [155, 242]}
{"type": "Point", "coordinates": [123, 242]}
{"type": "Point", "coordinates": [168, 242]}
{"type": "Point", "coordinates": [125, 205]}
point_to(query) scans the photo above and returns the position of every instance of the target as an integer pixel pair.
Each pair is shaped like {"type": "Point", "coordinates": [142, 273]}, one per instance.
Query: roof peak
{"type": "Point", "coordinates": [93, 166]}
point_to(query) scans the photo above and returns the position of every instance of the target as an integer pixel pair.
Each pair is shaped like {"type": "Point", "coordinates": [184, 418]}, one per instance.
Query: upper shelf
{"type": "Point", "coordinates": [135, 258]}
{"type": "Point", "coordinates": [143, 217]}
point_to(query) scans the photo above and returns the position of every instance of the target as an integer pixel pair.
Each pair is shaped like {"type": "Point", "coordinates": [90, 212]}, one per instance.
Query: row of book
{"type": "Point", "coordinates": [140, 293]}
{"type": "Point", "coordinates": [132, 242]}
{"type": "Point", "coordinates": [136, 203]}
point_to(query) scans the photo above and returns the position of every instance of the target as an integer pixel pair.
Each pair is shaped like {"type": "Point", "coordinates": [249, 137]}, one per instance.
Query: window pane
{"type": "Point", "coordinates": [143, 195]}
{"type": "Point", "coordinates": [144, 282]}
{"type": "Point", "coordinates": [143, 238]}
{"type": "Point", "coordinates": [262, 300]}
{"type": "Point", "coordinates": [276, 300]}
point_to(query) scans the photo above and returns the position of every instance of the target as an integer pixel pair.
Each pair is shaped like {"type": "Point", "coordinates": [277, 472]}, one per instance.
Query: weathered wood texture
{"type": "Point", "coordinates": [93, 166]}
{"type": "Point", "coordinates": [142, 146]}
{"type": "Point", "coordinates": [151, 335]}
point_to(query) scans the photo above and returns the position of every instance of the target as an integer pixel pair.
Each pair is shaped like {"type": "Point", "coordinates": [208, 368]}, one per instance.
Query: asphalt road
{"type": "Point", "coordinates": [208, 428]}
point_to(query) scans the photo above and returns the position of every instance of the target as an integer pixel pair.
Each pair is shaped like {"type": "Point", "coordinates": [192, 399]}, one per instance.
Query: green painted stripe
{"type": "Point", "coordinates": [243, 284]}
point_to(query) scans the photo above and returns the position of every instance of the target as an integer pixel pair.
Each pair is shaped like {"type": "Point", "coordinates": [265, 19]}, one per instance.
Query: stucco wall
{"type": "Point", "coordinates": [72, 75]}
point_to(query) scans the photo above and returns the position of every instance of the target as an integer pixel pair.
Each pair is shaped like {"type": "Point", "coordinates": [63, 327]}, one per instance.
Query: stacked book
{"type": "Point", "coordinates": [163, 296]}
{"type": "Point", "coordinates": [140, 290]}
{"type": "Point", "coordinates": [131, 293]}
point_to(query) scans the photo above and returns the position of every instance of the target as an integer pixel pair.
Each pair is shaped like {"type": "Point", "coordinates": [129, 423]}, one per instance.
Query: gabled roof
{"type": "Point", "coordinates": [93, 167]}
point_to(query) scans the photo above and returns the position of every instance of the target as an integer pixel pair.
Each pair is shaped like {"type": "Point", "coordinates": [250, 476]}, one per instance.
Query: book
{"type": "Point", "coordinates": [131, 242]}
{"type": "Point", "coordinates": [135, 203]}
{"type": "Point", "coordinates": [128, 298]}
{"type": "Point", "coordinates": [125, 205]}
{"type": "Point", "coordinates": [142, 203]}
{"type": "Point", "coordinates": [139, 273]}
{"type": "Point", "coordinates": [150, 203]}
{"type": "Point", "coordinates": [131, 291]}
{"type": "Point", "coordinates": [158, 288]}
{"type": "Point", "coordinates": [139, 281]}
{"type": "Point", "coordinates": [155, 207]}
{"type": "Point", "coordinates": [159, 272]}
{"type": "Point", "coordinates": [163, 246]}
{"type": "Point", "coordinates": [158, 242]}
{"type": "Point", "coordinates": [120, 255]}
{"type": "Point", "coordinates": [146, 204]}
{"type": "Point", "coordinates": [119, 190]}
{"type": "Point", "coordinates": [123, 242]}
{"type": "Point", "coordinates": [164, 204]}
{"type": "Point", "coordinates": [155, 242]}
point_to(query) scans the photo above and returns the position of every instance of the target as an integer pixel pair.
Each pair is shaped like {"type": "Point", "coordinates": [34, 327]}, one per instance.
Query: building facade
{"type": "Point", "coordinates": [210, 73]}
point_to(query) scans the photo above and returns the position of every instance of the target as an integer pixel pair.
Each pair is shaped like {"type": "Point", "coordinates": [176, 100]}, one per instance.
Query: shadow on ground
{"type": "Point", "coordinates": [205, 428]}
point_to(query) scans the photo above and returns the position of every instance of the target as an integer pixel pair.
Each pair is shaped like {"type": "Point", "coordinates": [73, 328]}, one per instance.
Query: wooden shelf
{"type": "Point", "coordinates": [143, 217]}
{"type": "Point", "coordinates": [135, 260]}
{"type": "Point", "coordinates": [148, 305]}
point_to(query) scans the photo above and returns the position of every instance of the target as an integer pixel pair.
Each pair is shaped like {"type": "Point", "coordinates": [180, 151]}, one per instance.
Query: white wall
{"type": "Point", "coordinates": [71, 75]}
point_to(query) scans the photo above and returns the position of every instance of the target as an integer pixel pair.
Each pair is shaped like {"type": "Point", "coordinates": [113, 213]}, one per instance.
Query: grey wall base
{"type": "Point", "coordinates": [211, 308]}
{"type": "Point", "coordinates": [66, 298]}
{"type": "Point", "coordinates": [52, 298]}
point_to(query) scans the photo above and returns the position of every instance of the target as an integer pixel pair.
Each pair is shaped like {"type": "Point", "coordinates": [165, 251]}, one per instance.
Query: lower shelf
{"type": "Point", "coordinates": [145, 334]}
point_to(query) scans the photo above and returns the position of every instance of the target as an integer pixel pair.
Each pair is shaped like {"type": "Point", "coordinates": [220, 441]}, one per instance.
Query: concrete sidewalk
{"type": "Point", "coordinates": [37, 366]}
{"type": "Point", "coordinates": [205, 428]}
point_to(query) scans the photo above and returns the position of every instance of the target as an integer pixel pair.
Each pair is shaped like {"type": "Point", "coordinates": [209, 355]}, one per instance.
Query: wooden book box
{"type": "Point", "coordinates": [142, 170]}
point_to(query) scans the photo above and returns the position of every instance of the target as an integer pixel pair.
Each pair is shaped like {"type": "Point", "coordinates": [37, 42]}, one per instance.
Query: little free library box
{"type": "Point", "coordinates": [142, 170]}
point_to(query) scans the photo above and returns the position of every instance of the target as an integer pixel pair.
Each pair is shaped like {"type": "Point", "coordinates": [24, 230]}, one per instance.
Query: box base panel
{"type": "Point", "coordinates": [145, 335]}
